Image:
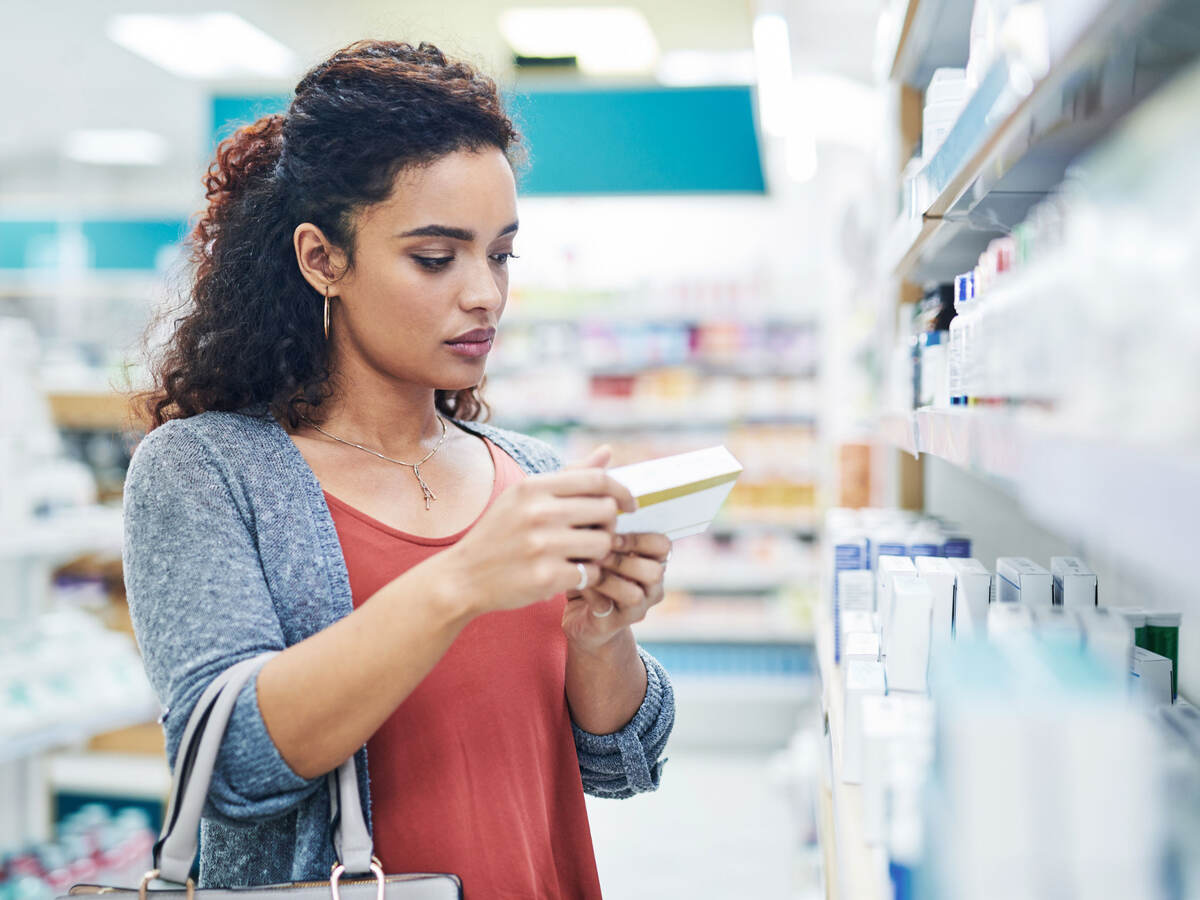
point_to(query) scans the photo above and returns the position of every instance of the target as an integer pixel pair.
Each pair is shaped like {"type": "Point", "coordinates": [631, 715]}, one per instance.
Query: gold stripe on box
{"type": "Point", "coordinates": [684, 489]}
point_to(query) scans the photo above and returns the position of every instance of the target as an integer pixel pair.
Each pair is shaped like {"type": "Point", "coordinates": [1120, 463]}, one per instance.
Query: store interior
{"type": "Point", "coordinates": [924, 267]}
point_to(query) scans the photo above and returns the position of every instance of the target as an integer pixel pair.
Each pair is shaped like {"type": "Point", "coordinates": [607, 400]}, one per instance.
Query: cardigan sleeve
{"type": "Point", "coordinates": [200, 602]}
{"type": "Point", "coordinates": [630, 761]}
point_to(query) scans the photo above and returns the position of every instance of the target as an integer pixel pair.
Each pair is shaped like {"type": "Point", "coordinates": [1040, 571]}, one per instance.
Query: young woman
{"type": "Point", "coordinates": [317, 484]}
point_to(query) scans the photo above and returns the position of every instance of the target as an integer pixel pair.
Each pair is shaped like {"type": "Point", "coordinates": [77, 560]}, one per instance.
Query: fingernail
{"type": "Point", "coordinates": [618, 541]}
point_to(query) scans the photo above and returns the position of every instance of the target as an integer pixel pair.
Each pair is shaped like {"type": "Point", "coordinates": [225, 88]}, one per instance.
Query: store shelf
{"type": "Point", "coordinates": [652, 423]}
{"type": "Point", "coordinates": [65, 734]}
{"type": "Point", "coordinates": [928, 34]}
{"type": "Point", "coordinates": [1018, 133]}
{"type": "Point", "coordinates": [1133, 500]}
{"type": "Point", "coordinates": [95, 529]}
{"type": "Point", "coordinates": [651, 316]}
{"type": "Point", "coordinates": [860, 871]}
{"type": "Point", "coordinates": [681, 628]}
{"type": "Point", "coordinates": [735, 578]}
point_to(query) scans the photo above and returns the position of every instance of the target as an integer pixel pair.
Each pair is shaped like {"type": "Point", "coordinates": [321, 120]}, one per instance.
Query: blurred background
{"type": "Point", "coordinates": [926, 267]}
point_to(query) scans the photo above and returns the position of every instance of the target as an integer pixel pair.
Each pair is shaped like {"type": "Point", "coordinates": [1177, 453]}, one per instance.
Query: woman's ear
{"type": "Point", "coordinates": [321, 263]}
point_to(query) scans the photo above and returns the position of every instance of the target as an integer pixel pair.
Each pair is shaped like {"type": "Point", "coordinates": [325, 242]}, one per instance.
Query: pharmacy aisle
{"type": "Point", "coordinates": [1006, 621]}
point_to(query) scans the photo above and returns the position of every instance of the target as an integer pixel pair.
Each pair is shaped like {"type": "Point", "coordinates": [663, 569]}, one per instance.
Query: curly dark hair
{"type": "Point", "coordinates": [251, 335]}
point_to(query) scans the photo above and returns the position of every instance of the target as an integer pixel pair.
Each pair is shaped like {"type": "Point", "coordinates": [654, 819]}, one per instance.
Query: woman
{"type": "Point", "coordinates": [316, 483]}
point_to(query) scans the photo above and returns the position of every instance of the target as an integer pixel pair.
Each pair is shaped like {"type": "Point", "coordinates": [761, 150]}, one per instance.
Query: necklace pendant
{"type": "Point", "coordinates": [429, 495]}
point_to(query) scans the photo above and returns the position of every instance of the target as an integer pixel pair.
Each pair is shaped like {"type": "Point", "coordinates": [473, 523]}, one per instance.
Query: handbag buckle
{"type": "Point", "coordinates": [336, 875]}
{"type": "Point", "coordinates": [153, 873]}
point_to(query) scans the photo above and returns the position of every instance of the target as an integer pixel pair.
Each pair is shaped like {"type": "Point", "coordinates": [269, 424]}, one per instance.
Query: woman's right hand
{"type": "Point", "coordinates": [525, 547]}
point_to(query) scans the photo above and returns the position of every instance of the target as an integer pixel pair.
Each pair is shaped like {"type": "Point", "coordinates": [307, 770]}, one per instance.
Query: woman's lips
{"type": "Point", "coordinates": [471, 349]}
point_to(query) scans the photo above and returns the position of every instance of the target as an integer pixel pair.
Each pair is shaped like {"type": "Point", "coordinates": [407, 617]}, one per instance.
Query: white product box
{"type": "Point", "coordinates": [906, 661]}
{"type": "Point", "coordinates": [889, 567]}
{"type": "Point", "coordinates": [939, 574]}
{"type": "Point", "coordinates": [1108, 638]}
{"type": "Point", "coordinates": [1021, 580]}
{"type": "Point", "coordinates": [677, 495]}
{"type": "Point", "coordinates": [897, 723]}
{"type": "Point", "coordinates": [863, 646]}
{"type": "Point", "coordinates": [1152, 677]}
{"type": "Point", "coordinates": [1073, 583]}
{"type": "Point", "coordinates": [858, 621]}
{"type": "Point", "coordinates": [863, 679]}
{"type": "Point", "coordinates": [855, 593]}
{"type": "Point", "coordinates": [972, 595]}
{"type": "Point", "coordinates": [1057, 624]}
{"type": "Point", "coordinates": [1007, 620]}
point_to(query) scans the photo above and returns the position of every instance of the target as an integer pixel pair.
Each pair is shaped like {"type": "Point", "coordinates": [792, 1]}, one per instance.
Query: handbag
{"type": "Point", "coordinates": [175, 850]}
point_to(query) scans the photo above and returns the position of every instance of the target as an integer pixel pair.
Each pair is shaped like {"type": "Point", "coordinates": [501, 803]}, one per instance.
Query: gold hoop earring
{"type": "Point", "coordinates": [327, 312]}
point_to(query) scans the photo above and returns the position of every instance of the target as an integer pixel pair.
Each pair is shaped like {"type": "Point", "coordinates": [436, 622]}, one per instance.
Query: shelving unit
{"type": "Point", "coordinates": [1107, 493]}
{"type": "Point", "coordinates": [860, 870]}
{"type": "Point", "coordinates": [65, 734]}
{"type": "Point", "coordinates": [1024, 125]}
{"type": "Point", "coordinates": [1042, 470]}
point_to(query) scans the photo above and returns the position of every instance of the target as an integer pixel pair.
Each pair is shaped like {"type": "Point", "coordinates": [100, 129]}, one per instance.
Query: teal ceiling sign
{"type": "Point", "coordinates": [645, 140]}
{"type": "Point", "coordinates": [631, 140]}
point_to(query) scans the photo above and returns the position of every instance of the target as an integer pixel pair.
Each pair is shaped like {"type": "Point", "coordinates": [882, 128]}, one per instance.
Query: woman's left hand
{"type": "Point", "coordinates": [631, 581]}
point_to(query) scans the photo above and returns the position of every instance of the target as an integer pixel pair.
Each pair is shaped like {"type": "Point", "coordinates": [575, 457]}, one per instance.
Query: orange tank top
{"type": "Point", "coordinates": [475, 773]}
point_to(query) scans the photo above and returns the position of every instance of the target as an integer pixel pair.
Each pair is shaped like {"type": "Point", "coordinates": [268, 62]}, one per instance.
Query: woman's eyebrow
{"type": "Point", "coordinates": [452, 232]}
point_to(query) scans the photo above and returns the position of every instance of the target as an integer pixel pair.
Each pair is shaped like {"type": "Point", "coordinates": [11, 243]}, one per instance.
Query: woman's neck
{"type": "Point", "coordinates": [394, 419]}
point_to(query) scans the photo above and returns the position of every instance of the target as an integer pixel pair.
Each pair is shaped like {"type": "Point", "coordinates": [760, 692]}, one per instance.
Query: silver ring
{"type": "Point", "coordinates": [607, 612]}
{"type": "Point", "coordinates": [583, 578]}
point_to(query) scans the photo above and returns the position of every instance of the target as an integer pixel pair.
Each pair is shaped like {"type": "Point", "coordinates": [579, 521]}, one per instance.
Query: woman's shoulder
{"type": "Point", "coordinates": [214, 438]}
{"type": "Point", "coordinates": [532, 454]}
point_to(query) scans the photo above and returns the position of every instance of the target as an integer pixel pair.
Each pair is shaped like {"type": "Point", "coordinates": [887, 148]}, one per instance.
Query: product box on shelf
{"type": "Point", "coordinates": [1108, 638]}
{"type": "Point", "coordinates": [863, 679]}
{"type": "Point", "coordinates": [1021, 580]}
{"type": "Point", "coordinates": [1152, 677]}
{"type": "Point", "coordinates": [889, 567]}
{"type": "Point", "coordinates": [892, 725]}
{"type": "Point", "coordinates": [1009, 620]}
{"type": "Point", "coordinates": [906, 661]}
{"type": "Point", "coordinates": [1074, 584]}
{"type": "Point", "coordinates": [939, 574]}
{"type": "Point", "coordinates": [862, 647]}
{"type": "Point", "coordinates": [858, 621]}
{"type": "Point", "coordinates": [972, 595]}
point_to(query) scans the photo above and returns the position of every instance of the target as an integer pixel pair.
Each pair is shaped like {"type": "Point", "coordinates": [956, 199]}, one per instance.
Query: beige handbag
{"type": "Point", "coordinates": [175, 850]}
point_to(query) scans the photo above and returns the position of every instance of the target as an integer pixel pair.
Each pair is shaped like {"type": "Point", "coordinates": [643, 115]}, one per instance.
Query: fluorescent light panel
{"type": "Point", "coordinates": [604, 40]}
{"type": "Point", "coordinates": [695, 67]}
{"type": "Point", "coordinates": [203, 45]}
{"type": "Point", "coordinates": [116, 147]}
{"type": "Point", "coordinates": [773, 59]}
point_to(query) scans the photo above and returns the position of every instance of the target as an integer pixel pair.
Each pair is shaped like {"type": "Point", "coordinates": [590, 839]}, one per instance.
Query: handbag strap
{"type": "Point", "coordinates": [175, 850]}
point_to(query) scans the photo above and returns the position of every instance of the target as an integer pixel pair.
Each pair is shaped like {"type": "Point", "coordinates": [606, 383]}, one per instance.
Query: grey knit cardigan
{"type": "Point", "coordinates": [230, 551]}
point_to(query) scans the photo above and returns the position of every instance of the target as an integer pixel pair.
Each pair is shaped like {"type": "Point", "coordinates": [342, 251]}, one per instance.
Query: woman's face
{"type": "Point", "coordinates": [430, 275]}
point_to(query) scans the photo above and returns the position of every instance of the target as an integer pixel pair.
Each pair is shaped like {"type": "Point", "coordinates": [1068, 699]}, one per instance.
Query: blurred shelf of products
{"type": "Point", "coordinates": [1013, 396]}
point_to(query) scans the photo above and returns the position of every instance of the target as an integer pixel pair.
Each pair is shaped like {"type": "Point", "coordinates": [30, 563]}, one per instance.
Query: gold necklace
{"type": "Point", "coordinates": [416, 467]}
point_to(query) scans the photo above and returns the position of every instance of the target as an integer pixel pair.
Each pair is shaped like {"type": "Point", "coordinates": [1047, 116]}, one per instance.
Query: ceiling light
{"type": "Point", "coordinates": [694, 67]}
{"type": "Point", "coordinates": [116, 147]}
{"type": "Point", "coordinates": [773, 60]}
{"type": "Point", "coordinates": [605, 40]}
{"type": "Point", "coordinates": [203, 45]}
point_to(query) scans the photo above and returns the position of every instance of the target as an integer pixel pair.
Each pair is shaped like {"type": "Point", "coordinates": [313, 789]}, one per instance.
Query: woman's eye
{"type": "Point", "coordinates": [503, 258]}
{"type": "Point", "coordinates": [433, 263]}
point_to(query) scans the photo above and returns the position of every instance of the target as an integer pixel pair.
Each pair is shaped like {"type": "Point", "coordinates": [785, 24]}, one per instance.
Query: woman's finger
{"type": "Point", "coordinates": [644, 543]}
{"type": "Point", "coordinates": [579, 512]}
{"type": "Point", "coordinates": [593, 482]}
{"type": "Point", "coordinates": [620, 590]}
{"type": "Point", "coordinates": [644, 571]}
